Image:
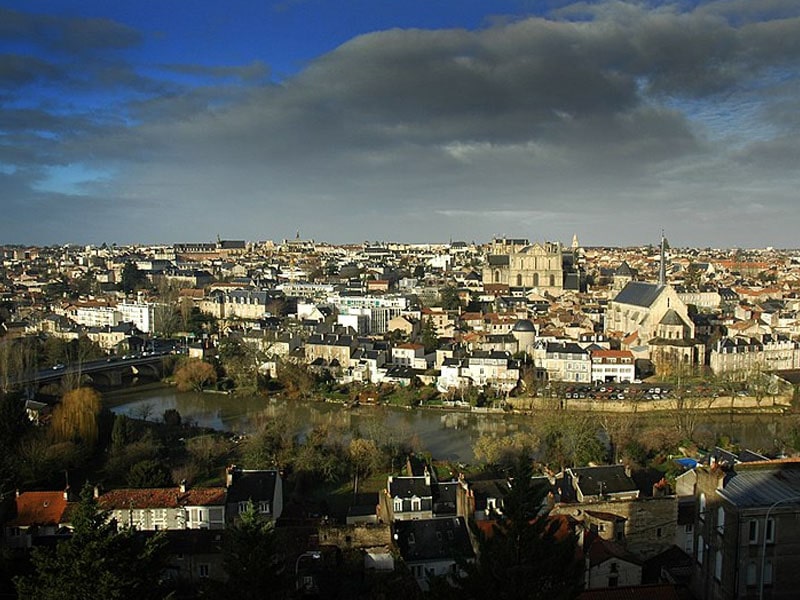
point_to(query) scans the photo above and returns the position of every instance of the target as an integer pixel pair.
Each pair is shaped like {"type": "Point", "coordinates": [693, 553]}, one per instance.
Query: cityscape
{"type": "Point", "coordinates": [307, 299]}
{"type": "Point", "coordinates": [610, 362]}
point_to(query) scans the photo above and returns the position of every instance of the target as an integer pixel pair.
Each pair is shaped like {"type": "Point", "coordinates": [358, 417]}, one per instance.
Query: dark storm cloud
{"type": "Point", "coordinates": [16, 70]}
{"type": "Point", "coordinates": [536, 127]}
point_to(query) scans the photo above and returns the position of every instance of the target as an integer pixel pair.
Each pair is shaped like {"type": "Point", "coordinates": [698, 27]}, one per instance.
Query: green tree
{"type": "Point", "coordinates": [149, 474]}
{"type": "Point", "coordinates": [429, 337]}
{"type": "Point", "coordinates": [252, 557]}
{"type": "Point", "coordinates": [450, 298]}
{"type": "Point", "coordinates": [132, 278]}
{"type": "Point", "coordinates": [528, 555]}
{"type": "Point", "coordinates": [97, 561]}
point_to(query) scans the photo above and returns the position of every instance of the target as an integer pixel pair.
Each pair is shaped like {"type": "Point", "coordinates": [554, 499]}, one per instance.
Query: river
{"type": "Point", "coordinates": [445, 434]}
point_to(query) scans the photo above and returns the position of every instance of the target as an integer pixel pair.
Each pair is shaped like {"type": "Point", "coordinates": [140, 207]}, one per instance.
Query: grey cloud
{"type": "Point", "coordinates": [71, 35]}
{"type": "Point", "coordinates": [254, 72]}
{"type": "Point", "coordinates": [17, 70]}
{"type": "Point", "coordinates": [549, 125]}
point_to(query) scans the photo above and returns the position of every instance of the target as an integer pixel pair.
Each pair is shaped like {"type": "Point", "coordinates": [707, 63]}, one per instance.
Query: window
{"type": "Point", "coordinates": [768, 572]}
{"type": "Point", "coordinates": [263, 506]}
{"type": "Point", "coordinates": [243, 507]}
{"type": "Point", "coordinates": [770, 532]}
{"type": "Point", "coordinates": [752, 531]}
{"type": "Point", "coordinates": [688, 528]}
{"type": "Point", "coordinates": [702, 511]}
{"type": "Point", "coordinates": [721, 520]}
{"type": "Point", "coordinates": [718, 565]}
{"type": "Point", "coordinates": [750, 574]}
{"type": "Point", "coordinates": [398, 505]}
{"type": "Point", "coordinates": [700, 549]}
{"type": "Point", "coordinates": [416, 504]}
{"type": "Point", "coordinates": [614, 568]}
{"type": "Point", "coordinates": [659, 532]}
{"type": "Point", "coordinates": [203, 570]}
{"type": "Point", "coordinates": [613, 580]}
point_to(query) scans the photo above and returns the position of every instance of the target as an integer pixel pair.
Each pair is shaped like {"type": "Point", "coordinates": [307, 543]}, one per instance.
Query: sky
{"type": "Point", "coordinates": [418, 121]}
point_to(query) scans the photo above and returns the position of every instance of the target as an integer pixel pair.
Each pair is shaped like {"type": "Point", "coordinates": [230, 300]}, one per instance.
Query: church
{"type": "Point", "coordinates": [654, 321]}
{"type": "Point", "coordinates": [547, 267]}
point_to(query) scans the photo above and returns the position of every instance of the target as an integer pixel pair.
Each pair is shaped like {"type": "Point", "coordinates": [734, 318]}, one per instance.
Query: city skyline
{"type": "Point", "coordinates": [158, 123]}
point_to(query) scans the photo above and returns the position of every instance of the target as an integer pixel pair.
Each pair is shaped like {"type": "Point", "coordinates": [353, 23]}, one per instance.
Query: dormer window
{"type": "Point", "coordinates": [416, 503]}
{"type": "Point", "coordinates": [398, 505]}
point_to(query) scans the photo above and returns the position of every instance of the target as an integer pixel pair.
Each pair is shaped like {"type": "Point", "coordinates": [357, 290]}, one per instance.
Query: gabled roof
{"type": "Point", "coordinates": [252, 485]}
{"type": "Point", "coordinates": [607, 479]}
{"type": "Point", "coordinates": [639, 293]}
{"type": "Point", "coordinates": [407, 487]}
{"type": "Point", "coordinates": [40, 508]}
{"type": "Point", "coordinates": [161, 498]}
{"type": "Point", "coordinates": [672, 318]}
{"type": "Point", "coordinates": [433, 539]}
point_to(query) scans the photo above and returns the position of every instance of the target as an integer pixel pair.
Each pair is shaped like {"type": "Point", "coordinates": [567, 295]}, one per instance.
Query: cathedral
{"type": "Point", "coordinates": [545, 267]}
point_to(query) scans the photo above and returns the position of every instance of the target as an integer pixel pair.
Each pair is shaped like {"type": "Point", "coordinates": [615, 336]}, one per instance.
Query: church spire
{"type": "Point", "coordinates": [662, 271]}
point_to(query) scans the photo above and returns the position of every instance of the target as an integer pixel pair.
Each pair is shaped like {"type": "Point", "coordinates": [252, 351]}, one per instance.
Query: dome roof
{"type": "Point", "coordinates": [524, 325]}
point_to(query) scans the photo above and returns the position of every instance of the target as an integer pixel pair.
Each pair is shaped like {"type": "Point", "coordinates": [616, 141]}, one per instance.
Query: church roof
{"type": "Point", "coordinates": [524, 325]}
{"type": "Point", "coordinates": [639, 293]}
{"type": "Point", "coordinates": [624, 270]}
{"type": "Point", "coordinates": [672, 318]}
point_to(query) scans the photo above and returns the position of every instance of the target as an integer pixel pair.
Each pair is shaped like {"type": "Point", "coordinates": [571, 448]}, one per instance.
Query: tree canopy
{"type": "Point", "coordinates": [96, 561]}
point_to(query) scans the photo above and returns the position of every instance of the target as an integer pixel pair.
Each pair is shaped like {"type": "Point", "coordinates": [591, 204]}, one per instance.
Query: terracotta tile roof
{"type": "Point", "coordinates": [39, 508]}
{"type": "Point", "coordinates": [161, 498]}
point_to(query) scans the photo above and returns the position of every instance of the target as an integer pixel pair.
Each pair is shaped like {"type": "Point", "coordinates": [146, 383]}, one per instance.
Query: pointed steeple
{"type": "Point", "coordinates": [662, 271]}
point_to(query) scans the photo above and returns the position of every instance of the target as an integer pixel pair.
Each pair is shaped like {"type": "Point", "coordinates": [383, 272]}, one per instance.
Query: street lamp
{"type": "Point", "coordinates": [764, 543]}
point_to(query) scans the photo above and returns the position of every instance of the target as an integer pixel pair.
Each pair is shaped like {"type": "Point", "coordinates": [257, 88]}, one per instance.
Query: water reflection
{"type": "Point", "coordinates": [446, 435]}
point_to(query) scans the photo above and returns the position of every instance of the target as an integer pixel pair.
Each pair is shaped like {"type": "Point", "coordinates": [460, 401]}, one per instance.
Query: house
{"type": "Point", "coordinates": [612, 482]}
{"type": "Point", "coordinates": [264, 488]}
{"type": "Point", "coordinates": [433, 547]}
{"type": "Point", "coordinates": [38, 515]}
{"type": "Point", "coordinates": [151, 509]}
{"type": "Point", "coordinates": [194, 555]}
{"type": "Point", "coordinates": [608, 503]}
{"type": "Point", "coordinates": [407, 498]}
{"type": "Point", "coordinates": [613, 366]}
{"type": "Point", "coordinates": [608, 564]}
{"type": "Point", "coordinates": [481, 498]}
{"type": "Point", "coordinates": [747, 530]}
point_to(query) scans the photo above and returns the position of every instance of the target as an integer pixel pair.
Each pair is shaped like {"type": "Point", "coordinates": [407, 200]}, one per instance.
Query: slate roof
{"type": "Point", "coordinates": [252, 485]}
{"type": "Point", "coordinates": [672, 318]}
{"type": "Point", "coordinates": [639, 293]}
{"type": "Point", "coordinates": [161, 498]}
{"type": "Point", "coordinates": [498, 260]}
{"type": "Point", "coordinates": [433, 539]}
{"type": "Point", "coordinates": [406, 487]}
{"type": "Point", "coordinates": [763, 484]}
{"type": "Point", "coordinates": [524, 325]}
{"type": "Point", "coordinates": [609, 479]}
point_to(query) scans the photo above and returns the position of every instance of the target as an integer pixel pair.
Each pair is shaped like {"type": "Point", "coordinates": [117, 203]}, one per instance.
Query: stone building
{"type": "Point", "coordinates": [747, 530]}
{"type": "Point", "coordinates": [539, 266]}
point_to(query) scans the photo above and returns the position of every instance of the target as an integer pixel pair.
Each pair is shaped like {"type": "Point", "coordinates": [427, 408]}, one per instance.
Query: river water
{"type": "Point", "coordinates": [446, 435]}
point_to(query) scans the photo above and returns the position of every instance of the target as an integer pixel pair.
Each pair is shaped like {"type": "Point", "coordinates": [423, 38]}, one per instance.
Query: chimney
{"type": "Point", "coordinates": [229, 473]}
{"type": "Point", "coordinates": [427, 477]}
{"type": "Point", "coordinates": [182, 486]}
{"type": "Point", "coordinates": [66, 493]}
{"type": "Point", "coordinates": [96, 492]}
{"type": "Point", "coordinates": [627, 471]}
